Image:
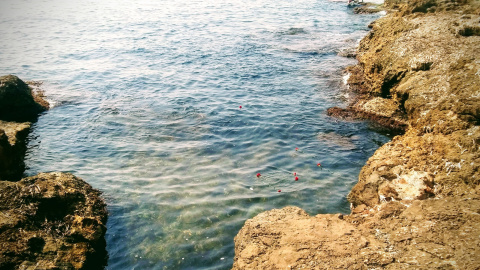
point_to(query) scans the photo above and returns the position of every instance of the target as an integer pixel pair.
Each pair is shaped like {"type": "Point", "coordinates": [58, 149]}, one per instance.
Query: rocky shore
{"type": "Point", "coordinates": [417, 201]}
{"type": "Point", "coordinates": [47, 221]}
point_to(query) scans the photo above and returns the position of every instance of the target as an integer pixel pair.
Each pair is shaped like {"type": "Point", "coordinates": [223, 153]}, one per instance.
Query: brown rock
{"type": "Point", "coordinates": [51, 221]}
{"type": "Point", "coordinates": [417, 67]}
{"type": "Point", "coordinates": [422, 235]}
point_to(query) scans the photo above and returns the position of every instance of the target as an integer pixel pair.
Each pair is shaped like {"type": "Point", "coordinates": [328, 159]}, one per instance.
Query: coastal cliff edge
{"type": "Point", "coordinates": [417, 201]}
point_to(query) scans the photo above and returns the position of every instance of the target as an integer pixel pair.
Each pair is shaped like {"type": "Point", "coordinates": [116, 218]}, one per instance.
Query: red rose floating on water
{"type": "Point", "coordinates": [319, 165]}
{"type": "Point", "coordinates": [279, 190]}
{"type": "Point", "coordinates": [296, 149]}
{"type": "Point", "coordinates": [295, 174]}
{"type": "Point", "coordinates": [258, 175]}
{"type": "Point", "coordinates": [296, 178]}
{"type": "Point", "coordinates": [240, 106]}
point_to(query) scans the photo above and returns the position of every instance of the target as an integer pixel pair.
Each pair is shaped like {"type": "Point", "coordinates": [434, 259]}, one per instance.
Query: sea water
{"type": "Point", "coordinates": [146, 100]}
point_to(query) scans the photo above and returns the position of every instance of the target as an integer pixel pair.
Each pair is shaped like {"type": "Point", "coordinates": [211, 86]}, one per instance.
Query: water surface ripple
{"type": "Point", "coordinates": [147, 97]}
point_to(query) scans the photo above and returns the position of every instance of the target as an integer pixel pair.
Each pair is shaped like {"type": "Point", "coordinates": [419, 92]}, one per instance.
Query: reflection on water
{"type": "Point", "coordinates": [147, 109]}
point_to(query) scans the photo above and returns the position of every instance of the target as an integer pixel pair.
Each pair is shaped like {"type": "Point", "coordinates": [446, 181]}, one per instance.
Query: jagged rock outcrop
{"type": "Point", "coordinates": [417, 202]}
{"type": "Point", "coordinates": [51, 221]}
{"type": "Point", "coordinates": [418, 66]}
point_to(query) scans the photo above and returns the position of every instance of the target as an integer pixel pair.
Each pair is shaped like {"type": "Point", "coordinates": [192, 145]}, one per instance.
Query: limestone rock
{"type": "Point", "coordinates": [415, 62]}
{"type": "Point", "coordinates": [51, 221]}
{"type": "Point", "coordinates": [428, 234]}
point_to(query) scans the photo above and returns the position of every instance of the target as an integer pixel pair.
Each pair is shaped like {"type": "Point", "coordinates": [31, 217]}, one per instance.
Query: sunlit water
{"type": "Point", "coordinates": [146, 99]}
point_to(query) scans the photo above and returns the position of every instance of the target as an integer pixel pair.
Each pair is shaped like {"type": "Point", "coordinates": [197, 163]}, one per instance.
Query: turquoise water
{"type": "Point", "coordinates": [147, 98]}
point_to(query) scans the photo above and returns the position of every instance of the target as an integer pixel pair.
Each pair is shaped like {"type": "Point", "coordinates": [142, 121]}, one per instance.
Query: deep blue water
{"type": "Point", "coordinates": [146, 99]}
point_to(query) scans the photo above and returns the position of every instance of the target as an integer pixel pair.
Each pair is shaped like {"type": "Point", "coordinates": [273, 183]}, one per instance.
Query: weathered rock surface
{"type": "Point", "coordinates": [417, 202]}
{"type": "Point", "coordinates": [422, 234]}
{"type": "Point", "coordinates": [51, 221]}
{"type": "Point", "coordinates": [416, 66]}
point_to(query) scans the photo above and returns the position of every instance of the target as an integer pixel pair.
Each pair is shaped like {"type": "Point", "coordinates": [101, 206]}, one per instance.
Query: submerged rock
{"type": "Point", "coordinates": [333, 139]}
{"type": "Point", "coordinates": [51, 221]}
{"type": "Point", "coordinates": [367, 8]}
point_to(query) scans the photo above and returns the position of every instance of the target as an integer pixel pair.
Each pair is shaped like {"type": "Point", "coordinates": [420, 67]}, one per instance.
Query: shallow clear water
{"type": "Point", "coordinates": [146, 101]}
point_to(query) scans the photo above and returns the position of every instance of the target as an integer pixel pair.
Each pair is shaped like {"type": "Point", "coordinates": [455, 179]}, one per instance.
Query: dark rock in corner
{"type": "Point", "coordinates": [17, 103]}
{"type": "Point", "coordinates": [47, 221]}
{"type": "Point", "coordinates": [12, 149]}
{"type": "Point", "coordinates": [51, 221]}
